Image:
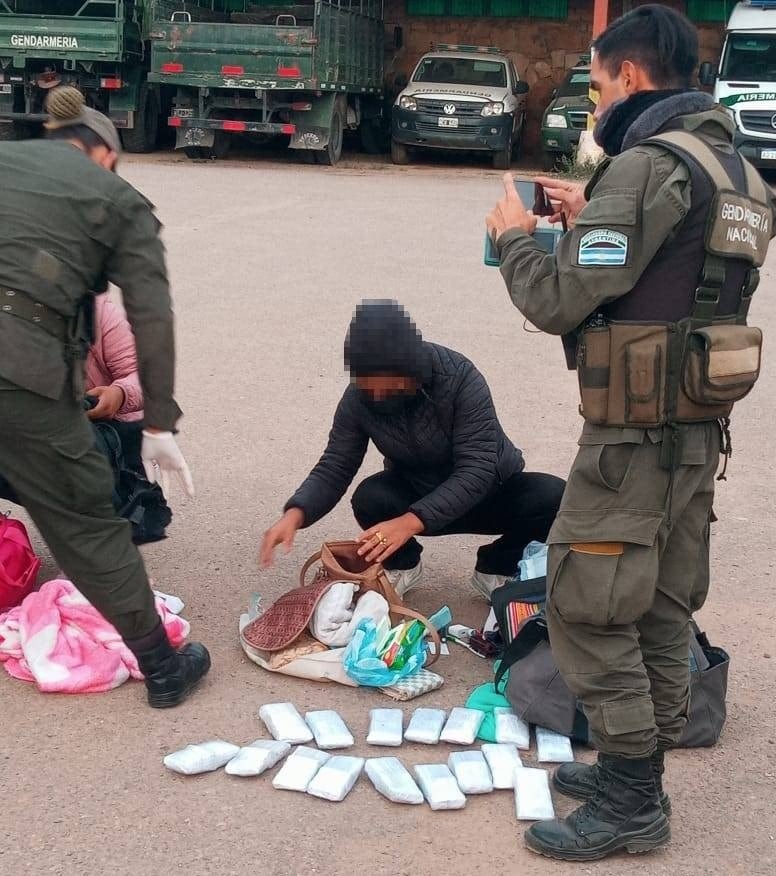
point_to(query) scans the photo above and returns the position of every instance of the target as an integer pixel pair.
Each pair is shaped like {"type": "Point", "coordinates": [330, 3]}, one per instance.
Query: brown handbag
{"type": "Point", "coordinates": [286, 619]}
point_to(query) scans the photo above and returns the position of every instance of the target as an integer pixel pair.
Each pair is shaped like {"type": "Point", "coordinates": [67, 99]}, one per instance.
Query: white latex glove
{"type": "Point", "coordinates": [161, 455]}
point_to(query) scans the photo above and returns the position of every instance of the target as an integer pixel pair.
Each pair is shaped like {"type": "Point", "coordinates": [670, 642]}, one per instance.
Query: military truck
{"type": "Point", "coordinates": [304, 72]}
{"type": "Point", "coordinates": [100, 46]}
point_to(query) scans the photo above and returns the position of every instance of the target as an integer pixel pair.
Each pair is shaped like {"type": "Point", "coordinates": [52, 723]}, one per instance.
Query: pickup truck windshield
{"type": "Point", "coordinates": [750, 58]}
{"type": "Point", "coordinates": [462, 71]}
{"type": "Point", "coordinates": [577, 82]}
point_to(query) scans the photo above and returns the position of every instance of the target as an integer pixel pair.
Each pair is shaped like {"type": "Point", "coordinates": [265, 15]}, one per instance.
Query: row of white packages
{"type": "Point", "coordinates": [427, 726]}
{"type": "Point", "coordinates": [320, 774]}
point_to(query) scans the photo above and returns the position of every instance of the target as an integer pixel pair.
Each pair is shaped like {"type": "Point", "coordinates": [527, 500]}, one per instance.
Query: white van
{"type": "Point", "coordinates": [746, 80]}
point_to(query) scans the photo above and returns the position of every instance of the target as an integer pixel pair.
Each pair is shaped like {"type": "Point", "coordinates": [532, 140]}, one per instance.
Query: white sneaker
{"type": "Point", "coordinates": [403, 580]}
{"type": "Point", "coordinates": [485, 583]}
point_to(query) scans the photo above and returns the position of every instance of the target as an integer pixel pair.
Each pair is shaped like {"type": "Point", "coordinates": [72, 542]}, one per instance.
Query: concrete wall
{"type": "Point", "coordinates": [542, 49]}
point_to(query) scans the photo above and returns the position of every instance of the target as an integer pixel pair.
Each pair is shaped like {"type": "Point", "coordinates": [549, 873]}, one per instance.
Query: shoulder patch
{"type": "Point", "coordinates": [603, 247]}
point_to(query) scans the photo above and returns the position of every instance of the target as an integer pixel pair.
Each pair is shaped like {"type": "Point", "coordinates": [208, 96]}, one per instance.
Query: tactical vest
{"type": "Point", "coordinates": [676, 348]}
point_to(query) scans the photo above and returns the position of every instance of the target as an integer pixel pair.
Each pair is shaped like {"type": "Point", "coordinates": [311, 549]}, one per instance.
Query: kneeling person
{"type": "Point", "coordinates": [449, 467]}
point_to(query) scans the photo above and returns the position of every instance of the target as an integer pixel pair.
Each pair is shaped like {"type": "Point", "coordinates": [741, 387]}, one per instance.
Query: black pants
{"type": "Point", "coordinates": [521, 510]}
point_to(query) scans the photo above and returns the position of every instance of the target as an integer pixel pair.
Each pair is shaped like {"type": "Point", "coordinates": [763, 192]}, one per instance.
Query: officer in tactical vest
{"type": "Point", "coordinates": [68, 226]}
{"type": "Point", "coordinates": [653, 285]}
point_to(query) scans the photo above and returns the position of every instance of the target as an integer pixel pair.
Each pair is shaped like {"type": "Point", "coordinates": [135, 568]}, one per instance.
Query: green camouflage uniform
{"type": "Point", "coordinates": [629, 551]}
{"type": "Point", "coordinates": [67, 227]}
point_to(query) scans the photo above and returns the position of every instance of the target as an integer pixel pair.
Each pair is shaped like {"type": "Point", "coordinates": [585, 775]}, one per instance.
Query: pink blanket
{"type": "Point", "coordinates": [57, 640]}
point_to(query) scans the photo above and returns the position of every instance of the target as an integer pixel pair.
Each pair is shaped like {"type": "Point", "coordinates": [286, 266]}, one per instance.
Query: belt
{"type": "Point", "coordinates": [22, 306]}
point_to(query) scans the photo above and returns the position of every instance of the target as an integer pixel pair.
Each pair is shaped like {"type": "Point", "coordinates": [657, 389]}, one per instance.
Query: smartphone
{"type": "Point", "coordinates": [547, 238]}
{"type": "Point", "coordinates": [534, 197]}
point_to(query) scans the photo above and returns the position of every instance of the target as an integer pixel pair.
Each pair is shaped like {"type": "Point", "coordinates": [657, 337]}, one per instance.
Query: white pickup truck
{"type": "Point", "coordinates": [745, 81]}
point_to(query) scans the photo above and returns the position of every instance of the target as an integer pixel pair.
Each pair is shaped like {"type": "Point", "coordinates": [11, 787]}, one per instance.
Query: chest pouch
{"type": "Point", "coordinates": [646, 375]}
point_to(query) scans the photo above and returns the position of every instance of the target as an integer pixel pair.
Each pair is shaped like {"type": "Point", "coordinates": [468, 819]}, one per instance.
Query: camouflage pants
{"type": "Point", "coordinates": [624, 577]}
{"type": "Point", "coordinates": [47, 453]}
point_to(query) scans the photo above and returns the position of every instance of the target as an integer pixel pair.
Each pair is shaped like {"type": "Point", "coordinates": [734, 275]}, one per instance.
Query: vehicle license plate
{"type": "Point", "coordinates": [183, 113]}
{"type": "Point", "coordinates": [448, 123]}
{"type": "Point", "coordinates": [768, 154]}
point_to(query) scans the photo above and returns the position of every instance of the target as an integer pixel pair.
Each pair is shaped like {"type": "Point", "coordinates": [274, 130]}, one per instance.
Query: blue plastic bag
{"type": "Point", "coordinates": [362, 664]}
{"type": "Point", "coordinates": [534, 562]}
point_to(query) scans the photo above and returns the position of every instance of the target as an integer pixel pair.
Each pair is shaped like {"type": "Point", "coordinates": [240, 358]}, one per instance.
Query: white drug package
{"type": "Point", "coordinates": [462, 726]}
{"type": "Point", "coordinates": [385, 727]}
{"type": "Point", "coordinates": [533, 801]}
{"type": "Point", "coordinates": [471, 771]}
{"type": "Point", "coordinates": [511, 730]}
{"type": "Point", "coordinates": [425, 726]}
{"type": "Point", "coordinates": [551, 747]}
{"type": "Point", "coordinates": [329, 730]}
{"type": "Point", "coordinates": [256, 758]}
{"type": "Point", "coordinates": [502, 760]}
{"type": "Point", "coordinates": [300, 769]}
{"type": "Point", "coordinates": [439, 786]}
{"type": "Point", "coordinates": [204, 757]}
{"type": "Point", "coordinates": [285, 723]}
{"type": "Point", "coordinates": [336, 777]}
{"type": "Point", "coordinates": [392, 779]}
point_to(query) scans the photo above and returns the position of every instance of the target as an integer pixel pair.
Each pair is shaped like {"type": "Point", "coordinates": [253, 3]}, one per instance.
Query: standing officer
{"type": "Point", "coordinates": [68, 226]}
{"type": "Point", "coordinates": [655, 280]}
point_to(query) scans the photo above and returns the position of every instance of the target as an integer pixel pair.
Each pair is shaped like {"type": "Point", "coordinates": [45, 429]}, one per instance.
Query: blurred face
{"type": "Point", "coordinates": [611, 89]}
{"type": "Point", "coordinates": [379, 387]}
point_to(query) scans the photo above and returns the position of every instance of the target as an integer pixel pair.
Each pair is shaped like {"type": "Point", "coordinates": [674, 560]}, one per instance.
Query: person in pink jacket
{"type": "Point", "coordinates": [111, 367]}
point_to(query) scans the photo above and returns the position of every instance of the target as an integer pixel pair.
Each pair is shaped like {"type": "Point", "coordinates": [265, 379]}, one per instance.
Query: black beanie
{"type": "Point", "coordinates": [383, 339]}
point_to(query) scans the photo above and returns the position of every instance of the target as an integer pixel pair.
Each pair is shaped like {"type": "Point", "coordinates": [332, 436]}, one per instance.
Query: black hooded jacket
{"type": "Point", "coordinates": [448, 443]}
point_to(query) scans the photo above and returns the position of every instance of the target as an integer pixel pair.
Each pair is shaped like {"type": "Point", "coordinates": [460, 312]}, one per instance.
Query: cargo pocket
{"type": "Point", "coordinates": [627, 716]}
{"type": "Point", "coordinates": [603, 566]}
{"type": "Point", "coordinates": [84, 478]}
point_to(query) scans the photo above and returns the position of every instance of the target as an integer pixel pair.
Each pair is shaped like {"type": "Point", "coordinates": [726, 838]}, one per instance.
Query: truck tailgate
{"type": "Point", "coordinates": [38, 36]}
{"type": "Point", "coordinates": [231, 55]}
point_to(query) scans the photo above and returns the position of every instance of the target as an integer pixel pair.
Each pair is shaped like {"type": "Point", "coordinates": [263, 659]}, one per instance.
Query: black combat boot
{"type": "Point", "coordinates": [579, 780]}
{"type": "Point", "coordinates": [623, 813]}
{"type": "Point", "coordinates": [170, 675]}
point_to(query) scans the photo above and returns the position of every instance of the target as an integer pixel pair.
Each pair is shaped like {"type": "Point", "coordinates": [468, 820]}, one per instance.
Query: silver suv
{"type": "Point", "coordinates": [463, 98]}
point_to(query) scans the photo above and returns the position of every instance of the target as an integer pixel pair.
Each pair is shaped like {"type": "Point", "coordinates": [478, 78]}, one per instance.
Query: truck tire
{"type": "Point", "coordinates": [333, 151]}
{"type": "Point", "coordinates": [142, 137]}
{"type": "Point", "coordinates": [399, 153]}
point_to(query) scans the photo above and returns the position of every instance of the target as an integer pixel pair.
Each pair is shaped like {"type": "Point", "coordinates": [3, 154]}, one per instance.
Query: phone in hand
{"type": "Point", "coordinates": [534, 197]}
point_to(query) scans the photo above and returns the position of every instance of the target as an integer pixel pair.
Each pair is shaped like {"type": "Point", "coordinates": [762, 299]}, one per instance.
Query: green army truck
{"type": "Point", "coordinates": [306, 72]}
{"type": "Point", "coordinates": [100, 46]}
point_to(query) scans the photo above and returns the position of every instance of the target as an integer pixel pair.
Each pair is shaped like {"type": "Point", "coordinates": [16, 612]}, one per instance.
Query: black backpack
{"type": "Point", "coordinates": [134, 497]}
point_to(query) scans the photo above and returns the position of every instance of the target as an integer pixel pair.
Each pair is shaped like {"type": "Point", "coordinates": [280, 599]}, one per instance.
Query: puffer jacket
{"type": "Point", "coordinates": [112, 359]}
{"type": "Point", "coordinates": [449, 445]}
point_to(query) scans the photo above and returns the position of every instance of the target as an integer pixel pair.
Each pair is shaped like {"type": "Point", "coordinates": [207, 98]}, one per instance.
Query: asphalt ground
{"type": "Point", "coordinates": [268, 259]}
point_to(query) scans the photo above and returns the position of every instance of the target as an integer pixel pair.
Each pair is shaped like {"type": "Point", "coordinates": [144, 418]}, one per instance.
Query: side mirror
{"type": "Point", "coordinates": [553, 94]}
{"type": "Point", "coordinates": [400, 82]}
{"type": "Point", "coordinates": [398, 37]}
{"type": "Point", "coordinates": [521, 87]}
{"type": "Point", "coordinates": [706, 74]}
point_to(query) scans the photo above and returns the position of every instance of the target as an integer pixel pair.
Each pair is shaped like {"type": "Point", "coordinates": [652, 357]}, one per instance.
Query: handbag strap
{"type": "Point", "coordinates": [403, 611]}
{"type": "Point", "coordinates": [306, 567]}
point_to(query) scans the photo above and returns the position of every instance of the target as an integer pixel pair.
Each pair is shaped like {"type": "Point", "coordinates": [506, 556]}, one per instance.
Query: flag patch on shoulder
{"type": "Point", "coordinates": [603, 247]}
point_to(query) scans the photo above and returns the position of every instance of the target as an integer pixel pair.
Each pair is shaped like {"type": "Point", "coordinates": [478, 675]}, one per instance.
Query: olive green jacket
{"type": "Point", "coordinates": [643, 194]}
{"type": "Point", "coordinates": [67, 228]}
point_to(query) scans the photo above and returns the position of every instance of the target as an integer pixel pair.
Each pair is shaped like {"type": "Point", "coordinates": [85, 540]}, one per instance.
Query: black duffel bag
{"type": "Point", "coordinates": [539, 695]}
